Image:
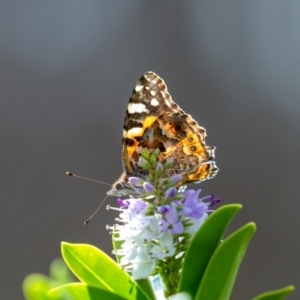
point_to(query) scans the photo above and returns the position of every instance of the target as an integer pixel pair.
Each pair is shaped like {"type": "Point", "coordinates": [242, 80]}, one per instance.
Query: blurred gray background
{"type": "Point", "coordinates": [67, 72]}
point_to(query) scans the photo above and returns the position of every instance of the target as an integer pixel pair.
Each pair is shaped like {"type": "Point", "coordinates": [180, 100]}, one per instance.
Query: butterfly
{"type": "Point", "coordinates": [154, 121]}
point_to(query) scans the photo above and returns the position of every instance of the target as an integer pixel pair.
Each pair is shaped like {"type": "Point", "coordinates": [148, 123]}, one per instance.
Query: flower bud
{"type": "Point", "coordinates": [143, 163]}
{"type": "Point", "coordinates": [159, 167]}
{"type": "Point", "coordinates": [168, 163]}
{"type": "Point", "coordinates": [156, 152]}
{"type": "Point", "coordinates": [171, 193]}
{"type": "Point", "coordinates": [135, 181]}
{"type": "Point", "coordinates": [152, 160]}
{"type": "Point", "coordinates": [175, 179]}
{"type": "Point", "coordinates": [148, 187]}
{"type": "Point", "coordinates": [146, 154]}
{"type": "Point", "coordinates": [163, 209]}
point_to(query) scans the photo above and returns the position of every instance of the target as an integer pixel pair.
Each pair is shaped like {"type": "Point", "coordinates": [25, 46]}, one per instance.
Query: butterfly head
{"type": "Point", "coordinates": [122, 188]}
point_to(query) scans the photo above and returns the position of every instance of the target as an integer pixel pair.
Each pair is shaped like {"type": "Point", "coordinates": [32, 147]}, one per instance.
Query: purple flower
{"type": "Point", "coordinates": [135, 181]}
{"type": "Point", "coordinates": [136, 206]}
{"type": "Point", "coordinates": [192, 207]}
{"type": "Point", "coordinates": [163, 209]}
{"type": "Point", "coordinates": [123, 203]}
{"type": "Point", "coordinates": [213, 201]}
{"type": "Point", "coordinates": [171, 193]}
{"type": "Point", "coordinates": [148, 187]}
{"type": "Point", "coordinates": [171, 222]}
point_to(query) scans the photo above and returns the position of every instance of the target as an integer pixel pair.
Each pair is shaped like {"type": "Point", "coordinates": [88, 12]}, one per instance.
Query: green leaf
{"type": "Point", "coordinates": [220, 274]}
{"type": "Point", "coordinates": [276, 295]}
{"type": "Point", "coordinates": [96, 269]}
{"type": "Point", "coordinates": [145, 285]}
{"type": "Point", "coordinates": [81, 291]}
{"type": "Point", "coordinates": [36, 286]}
{"type": "Point", "coordinates": [203, 246]}
{"type": "Point", "coordinates": [60, 272]}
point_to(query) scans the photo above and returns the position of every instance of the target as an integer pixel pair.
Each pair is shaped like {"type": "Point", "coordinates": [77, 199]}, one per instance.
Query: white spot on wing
{"type": "Point", "coordinates": [152, 93]}
{"type": "Point", "coordinates": [135, 131]}
{"type": "Point", "coordinates": [137, 108]}
{"type": "Point", "coordinates": [138, 87]}
{"type": "Point", "coordinates": [168, 103]}
{"type": "Point", "coordinates": [154, 102]}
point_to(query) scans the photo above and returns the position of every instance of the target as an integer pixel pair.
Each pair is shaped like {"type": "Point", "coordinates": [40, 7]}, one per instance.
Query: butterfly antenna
{"type": "Point", "coordinates": [90, 218]}
{"type": "Point", "coordinates": [86, 178]}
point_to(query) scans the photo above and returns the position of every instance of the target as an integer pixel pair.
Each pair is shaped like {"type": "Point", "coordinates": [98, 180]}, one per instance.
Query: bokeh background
{"type": "Point", "coordinates": [67, 72]}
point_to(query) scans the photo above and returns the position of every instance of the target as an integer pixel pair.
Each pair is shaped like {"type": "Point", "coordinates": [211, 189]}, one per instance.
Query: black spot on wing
{"type": "Point", "coordinates": [162, 147]}
{"type": "Point", "coordinates": [131, 123]}
{"type": "Point", "coordinates": [129, 142]}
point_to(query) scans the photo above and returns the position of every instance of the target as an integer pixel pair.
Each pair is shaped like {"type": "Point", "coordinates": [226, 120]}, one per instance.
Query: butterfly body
{"type": "Point", "coordinates": [154, 121]}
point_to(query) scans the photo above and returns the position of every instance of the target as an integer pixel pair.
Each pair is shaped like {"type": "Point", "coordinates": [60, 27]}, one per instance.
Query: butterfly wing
{"type": "Point", "coordinates": [180, 137]}
{"type": "Point", "coordinates": [154, 121]}
{"type": "Point", "coordinates": [149, 101]}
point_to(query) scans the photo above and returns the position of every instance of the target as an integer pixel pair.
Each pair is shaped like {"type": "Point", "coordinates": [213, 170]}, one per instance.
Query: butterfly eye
{"type": "Point", "coordinates": [118, 186]}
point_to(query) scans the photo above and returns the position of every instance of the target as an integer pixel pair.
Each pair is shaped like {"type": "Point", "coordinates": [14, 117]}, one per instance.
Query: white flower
{"type": "Point", "coordinates": [153, 228]}
{"type": "Point", "coordinates": [165, 246]}
{"type": "Point", "coordinates": [143, 265]}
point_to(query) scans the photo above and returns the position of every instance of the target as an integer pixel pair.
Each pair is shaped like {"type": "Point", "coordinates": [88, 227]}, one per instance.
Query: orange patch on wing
{"type": "Point", "coordinates": [202, 173]}
{"type": "Point", "coordinates": [132, 134]}
{"type": "Point", "coordinates": [195, 144]}
{"type": "Point", "coordinates": [148, 121]}
{"type": "Point", "coordinates": [128, 152]}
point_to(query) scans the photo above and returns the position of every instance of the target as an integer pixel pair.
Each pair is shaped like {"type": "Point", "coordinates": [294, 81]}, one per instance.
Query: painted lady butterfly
{"type": "Point", "coordinates": [153, 121]}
